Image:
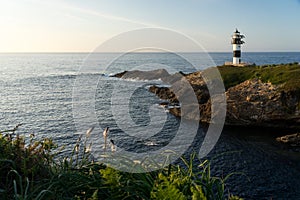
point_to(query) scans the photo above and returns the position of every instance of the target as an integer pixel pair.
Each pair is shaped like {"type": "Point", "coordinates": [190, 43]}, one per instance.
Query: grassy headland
{"type": "Point", "coordinates": [286, 74]}
{"type": "Point", "coordinates": [262, 96]}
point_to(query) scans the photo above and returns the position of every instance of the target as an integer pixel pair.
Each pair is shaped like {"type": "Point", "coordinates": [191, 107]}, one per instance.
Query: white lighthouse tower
{"type": "Point", "coordinates": [236, 46]}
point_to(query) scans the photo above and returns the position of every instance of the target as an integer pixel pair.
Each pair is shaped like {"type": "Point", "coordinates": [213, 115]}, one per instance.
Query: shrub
{"type": "Point", "coordinates": [32, 172]}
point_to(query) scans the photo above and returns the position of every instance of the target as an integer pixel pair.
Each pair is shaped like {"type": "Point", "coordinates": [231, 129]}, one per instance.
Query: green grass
{"type": "Point", "coordinates": [31, 170]}
{"type": "Point", "coordinates": [287, 75]}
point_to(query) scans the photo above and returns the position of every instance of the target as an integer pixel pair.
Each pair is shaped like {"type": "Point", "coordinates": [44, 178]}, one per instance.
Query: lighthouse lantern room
{"type": "Point", "coordinates": [237, 41]}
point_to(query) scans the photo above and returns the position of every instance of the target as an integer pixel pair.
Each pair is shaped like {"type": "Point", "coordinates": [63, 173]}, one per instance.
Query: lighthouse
{"type": "Point", "coordinates": [237, 41]}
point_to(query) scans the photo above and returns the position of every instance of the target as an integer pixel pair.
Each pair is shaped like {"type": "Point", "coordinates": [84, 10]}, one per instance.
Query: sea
{"type": "Point", "coordinates": [61, 95]}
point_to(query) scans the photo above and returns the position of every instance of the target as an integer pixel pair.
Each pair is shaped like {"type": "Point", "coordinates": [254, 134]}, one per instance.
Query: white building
{"type": "Point", "coordinates": [237, 41]}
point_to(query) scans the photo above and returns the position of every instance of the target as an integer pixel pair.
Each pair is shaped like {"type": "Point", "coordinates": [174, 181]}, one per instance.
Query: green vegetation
{"type": "Point", "coordinates": [286, 74]}
{"type": "Point", "coordinates": [33, 171]}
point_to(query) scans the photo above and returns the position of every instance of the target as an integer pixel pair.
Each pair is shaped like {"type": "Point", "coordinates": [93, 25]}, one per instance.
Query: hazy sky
{"type": "Point", "coordinates": [80, 26]}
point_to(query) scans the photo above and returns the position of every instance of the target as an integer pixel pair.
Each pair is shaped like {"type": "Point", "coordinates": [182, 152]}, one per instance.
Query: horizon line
{"type": "Point", "coordinates": [87, 52]}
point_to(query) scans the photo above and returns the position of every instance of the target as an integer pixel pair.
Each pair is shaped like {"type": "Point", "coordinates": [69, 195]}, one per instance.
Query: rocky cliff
{"type": "Point", "coordinates": [250, 102]}
{"type": "Point", "coordinates": [264, 104]}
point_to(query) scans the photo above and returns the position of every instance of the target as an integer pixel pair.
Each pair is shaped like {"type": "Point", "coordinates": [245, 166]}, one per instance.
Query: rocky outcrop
{"type": "Point", "coordinates": [262, 104]}
{"type": "Point", "coordinates": [143, 75]}
{"type": "Point", "coordinates": [250, 103]}
{"type": "Point", "coordinates": [164, 93]}
{"type": "Point", "coordinates": [291, 140]}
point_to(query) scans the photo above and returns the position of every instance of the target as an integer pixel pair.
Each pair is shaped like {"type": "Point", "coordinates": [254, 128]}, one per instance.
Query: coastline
{"type": "Point", "coordinates": [251, 100]}
{"type": "Point", "coordinates": [265, 97]}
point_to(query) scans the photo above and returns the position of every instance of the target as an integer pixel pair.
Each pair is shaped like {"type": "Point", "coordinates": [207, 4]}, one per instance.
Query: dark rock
{"type": "Point", "coordinates": [165, 103]}
{"type": "Point", "coordinates": [164, 93]}
{"type": "Point", "coordinates": [119, 75]}
{"type": "Point", "coordinates": [292, 140]}
{"type": "Point", "coordinates": [143, 75]}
